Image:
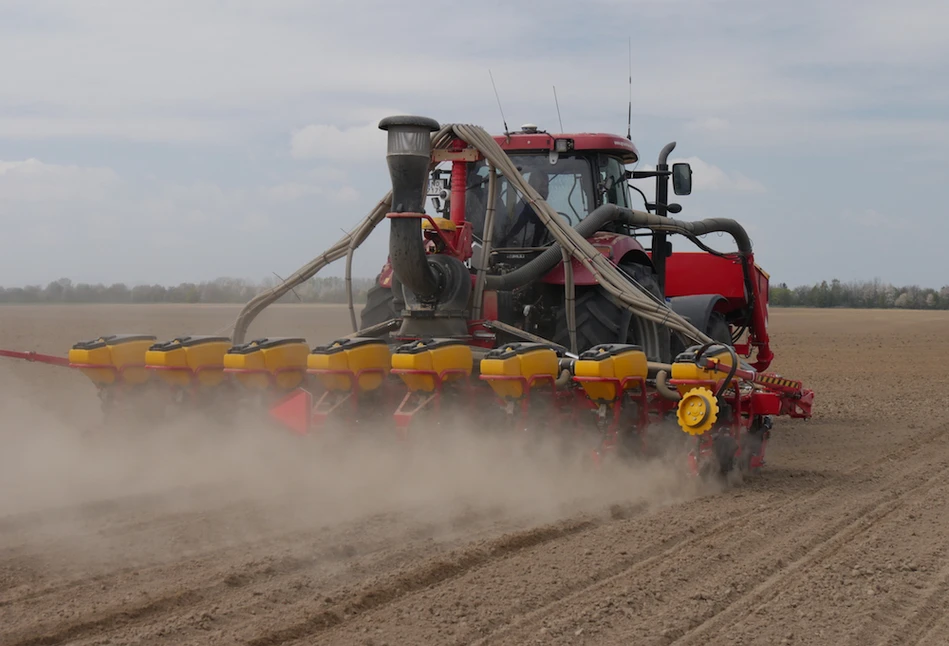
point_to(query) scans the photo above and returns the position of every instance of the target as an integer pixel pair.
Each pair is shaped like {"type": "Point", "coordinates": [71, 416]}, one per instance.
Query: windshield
{"type": "Point", "coordinates": [566, 185]}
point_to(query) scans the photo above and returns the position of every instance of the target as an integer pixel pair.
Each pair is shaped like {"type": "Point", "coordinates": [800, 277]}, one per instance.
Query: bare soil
{"type": "Point", "coordinates": [187, 534]}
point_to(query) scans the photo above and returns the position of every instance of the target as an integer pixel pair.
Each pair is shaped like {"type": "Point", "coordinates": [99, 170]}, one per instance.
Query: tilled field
{"type": "Point", "coordinates": [196, 535]}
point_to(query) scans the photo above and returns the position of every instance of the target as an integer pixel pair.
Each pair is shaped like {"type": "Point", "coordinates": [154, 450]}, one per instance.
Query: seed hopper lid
{"type": "Point", "coordinates": [187, 342]}
{"type": "Point", "coordinates": [607, 350]}
{"type": "Point", "coordinates": [264, 344]}
{"type": "Point", "coordinates": [424, 345]}
{"type": "Point", "coordinates": [509, 350]}
{"type": "Point", "coordinates": [347, 344]}
{"type": "Point", "coordinates": [112, 339]}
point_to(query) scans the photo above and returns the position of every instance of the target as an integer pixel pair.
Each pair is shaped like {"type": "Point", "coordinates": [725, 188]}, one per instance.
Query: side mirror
{"type": "Point", "coordinates": [682, 178]}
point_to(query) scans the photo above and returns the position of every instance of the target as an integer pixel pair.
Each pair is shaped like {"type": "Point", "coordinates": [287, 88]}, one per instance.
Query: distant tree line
{"type": "Point", "coordinates": [222, 290]}
{"type": "Point", "coordinates": [860, 295]}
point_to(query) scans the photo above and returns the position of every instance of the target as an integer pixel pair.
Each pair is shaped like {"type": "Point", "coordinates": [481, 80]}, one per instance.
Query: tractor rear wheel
{"type": "Point", "coordinates": [379, 307]}
{"type": "Point", "coordinates": [718, 328]}
{"type": "Point", "coordinates": [601, 319]}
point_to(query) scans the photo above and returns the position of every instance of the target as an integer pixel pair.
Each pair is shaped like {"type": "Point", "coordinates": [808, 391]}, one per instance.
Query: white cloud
{"type": "Point", "coordinates": [873, 219]}
{"type": "Point", "coordinates": [930, 136]}
{"type": "Point", "coordinates": [322, 141]}
{"type": "Point", "coordinates": [255, 222]}
{"type": "Point", "coordinates": [346, 194]}
{"type": "Point", "coordinates": [142, 128]}
{"type": "Point", "coordinates": [293, 191]}
{"type": "Point", "coordinates": [322, 174]}
{"type": "Point", "coordinates": [188, 72]}
{"type": "Point", "coordinates": [34, 181]}
{"type": "Point", "coordinates": [103, 227]}
{"type": "Point", "coordinates": [285, 62]}
{"type": "Point", "coordinates": [705, 177]}
{"type": "Point", "coordinates": [708, 177]}
{"type": "Point", "coordinates": [910, 33]}
{"type": "Point", "coordinates": [708, 124]}
{"type": "Point", "coordinates": [97, 225]}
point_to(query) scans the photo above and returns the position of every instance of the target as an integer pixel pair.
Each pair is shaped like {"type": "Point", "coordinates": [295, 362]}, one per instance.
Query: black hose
{"type": "Point", "coordinates": [731, 370]}
{"type": "Point", "coordinates": [607, 214]}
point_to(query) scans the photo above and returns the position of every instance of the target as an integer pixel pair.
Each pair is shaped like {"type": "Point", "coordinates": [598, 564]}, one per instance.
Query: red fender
{"type": "Point", "coordinates": [614, 246]}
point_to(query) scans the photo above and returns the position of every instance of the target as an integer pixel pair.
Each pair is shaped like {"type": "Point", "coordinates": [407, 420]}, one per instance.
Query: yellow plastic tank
{"type": "Point", "coordinates": [353, 355]}
{"type": "Point", "coordinates": [610, 361]}
{"type": "Point", "coordinates": [199, 357]}
{"type": "Point", "coordinates": [443, 224]}
{"type": "Point", "coordinates": [518, 360]}
{"type": "Point", "coordinates": [283, 359]}
{"type": "Point", "coordinates": [433, 355]}
{"type": "Point", "coordinates": [684, 366]}
{"type": "Point", "coordinates": [125, 352]}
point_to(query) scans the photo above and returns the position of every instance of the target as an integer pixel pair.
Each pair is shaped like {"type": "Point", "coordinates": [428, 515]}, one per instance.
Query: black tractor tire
{"type": "Point", "coordinates": [379, 307]}
{"type": "Point", "coordinates": [600, 319]}
{"type": "Point", "coordinates": [716, 327]}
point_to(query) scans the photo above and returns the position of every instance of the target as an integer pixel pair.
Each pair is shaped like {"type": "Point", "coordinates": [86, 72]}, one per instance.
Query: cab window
{"type": "Point", "coordinates": [566, 185]}
{"type": "Point", "coordinates": [611, 186]}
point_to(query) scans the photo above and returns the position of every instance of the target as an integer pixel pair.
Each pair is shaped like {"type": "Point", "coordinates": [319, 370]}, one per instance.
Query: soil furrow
{"type": "Point", "coordinates": [921, 619]}
{"type": "Point", "coordinates": [265, 567]}
{"type": "Point", "coordinates": [808, 555]}
{"type": "Point", "coordinates": [789, 509]}
{"type": "Point", "coordinates": [418, 578]}
{"type": "Point", "coordinates": [73, 631]}
{"type": "Point", "coordinates": [304, 588]}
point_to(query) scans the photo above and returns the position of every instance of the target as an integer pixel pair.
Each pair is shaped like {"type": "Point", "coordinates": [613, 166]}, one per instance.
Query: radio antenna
{"type": "Point", "coordinates": [629, 117]}
{"type": "Point", "coordinates": [497, 96]}
{"type": "Point", "coordinates": [557, 103]}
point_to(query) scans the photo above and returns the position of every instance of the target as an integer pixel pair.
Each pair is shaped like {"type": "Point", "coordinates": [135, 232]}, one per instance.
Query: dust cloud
{"type": "Point", "coordinates": [246, 480]}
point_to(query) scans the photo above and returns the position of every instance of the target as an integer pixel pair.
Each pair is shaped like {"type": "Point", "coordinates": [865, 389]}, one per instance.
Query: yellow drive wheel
{"type": "Point", "coordinates": [697, 411]}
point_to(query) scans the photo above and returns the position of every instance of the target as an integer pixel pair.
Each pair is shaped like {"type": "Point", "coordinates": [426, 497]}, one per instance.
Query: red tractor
{"type": "Point", "coordinates": [724, 295]}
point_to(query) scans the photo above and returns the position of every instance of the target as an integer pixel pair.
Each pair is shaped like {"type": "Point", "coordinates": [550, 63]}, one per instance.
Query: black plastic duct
{"type": "Point", "coordinates": [409, 156]}
{"type": "Point", "coordinates": [607, 214]}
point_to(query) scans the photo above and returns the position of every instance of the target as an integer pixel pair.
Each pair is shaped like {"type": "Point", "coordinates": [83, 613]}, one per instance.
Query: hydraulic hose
{"type": "Point", "coordinates": [349, 284]}
{"type": "Point", "coordinates": [488, 240]}
{"type": "Point", "coordinates": [607, 214]}
{"type": "Point", "coordinates": [548, 259]}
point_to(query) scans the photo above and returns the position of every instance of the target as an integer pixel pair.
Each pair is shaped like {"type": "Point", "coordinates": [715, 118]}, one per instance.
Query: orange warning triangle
{"type": "Point", "coordinates": [293, 411]}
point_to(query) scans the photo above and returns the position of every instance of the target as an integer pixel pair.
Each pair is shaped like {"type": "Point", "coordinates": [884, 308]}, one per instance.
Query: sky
{"type": "Point", "coordinates": [164, 142]}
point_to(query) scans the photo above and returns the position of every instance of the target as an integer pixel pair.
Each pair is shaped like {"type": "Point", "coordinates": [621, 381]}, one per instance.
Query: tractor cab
{"type": "Point", "coordinates": [574, 173]}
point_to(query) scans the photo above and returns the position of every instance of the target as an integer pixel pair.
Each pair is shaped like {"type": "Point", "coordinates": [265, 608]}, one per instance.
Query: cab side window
{"type": "Point", "coordinates": [612, 182]}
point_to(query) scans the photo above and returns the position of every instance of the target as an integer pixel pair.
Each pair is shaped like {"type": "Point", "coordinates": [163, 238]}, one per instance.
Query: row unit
{"type": "Point", "coordinates": [425, 365]}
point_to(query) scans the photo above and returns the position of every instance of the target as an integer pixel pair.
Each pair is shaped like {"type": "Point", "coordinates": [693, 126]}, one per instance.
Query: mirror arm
{"type": "Point", "coordinates": [649, 206]}
{"type": "Point", "coordinates": [645, 174]}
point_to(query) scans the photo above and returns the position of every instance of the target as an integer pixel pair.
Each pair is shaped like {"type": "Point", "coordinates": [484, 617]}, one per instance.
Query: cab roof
{"type": "Point", "coordinates": [531, 139]}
